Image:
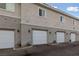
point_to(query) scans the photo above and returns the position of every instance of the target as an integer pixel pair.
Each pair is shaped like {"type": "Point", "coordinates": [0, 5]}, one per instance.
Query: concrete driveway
{"type": "Point", "coordinates": [44, 50]}
{"type": "Point", "coordinates": [55, 50]}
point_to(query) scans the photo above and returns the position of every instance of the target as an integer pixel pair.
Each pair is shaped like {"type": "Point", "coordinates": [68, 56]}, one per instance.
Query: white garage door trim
{"type": "Point", "coordinates": [60, 37]}
{"type": "Point", "coordinates": [39, 37]}
{"type": "Point", "coordinates": [73, 37]}
{"type": "Point", "coordinates": [6, 39]}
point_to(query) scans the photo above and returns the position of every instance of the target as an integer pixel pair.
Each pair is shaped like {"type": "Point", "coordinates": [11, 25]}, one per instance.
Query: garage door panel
{"type": "Point", "coordinates": [39, 37]}
{"type": "Point", "coordinates": [6, 45]}
{"type": "Point", "coordinates": [73, 37]}
{"type": "Point", "coordinates": [60, 37]}
{"type": "Point", "coordinates": [6, 39]}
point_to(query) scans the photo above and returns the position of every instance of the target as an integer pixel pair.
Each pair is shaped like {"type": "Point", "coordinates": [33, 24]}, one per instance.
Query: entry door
{"type": "Point", "coordinates": [73, 37]}
{"type": "Point", "coordinates": [60, 37]}
{"type": "Point", "coordinates": [39, 37]}
{"type": "Point", "coordinates": [6, 39]}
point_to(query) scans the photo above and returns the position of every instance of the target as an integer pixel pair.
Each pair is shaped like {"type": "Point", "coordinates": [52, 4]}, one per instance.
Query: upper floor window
{"type": "Point", "coordinates": [8, 6]}
{"type": "Point", "coordinates": [41, 12]}
{"type": "Point", "coordinates": [73, 22]}
{"type": "Point", "coordinates": [3, 5]}
{"type": "Point", "coordinates": [62, 19]}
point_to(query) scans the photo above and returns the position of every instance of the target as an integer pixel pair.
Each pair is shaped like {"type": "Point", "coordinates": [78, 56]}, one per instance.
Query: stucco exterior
{"type": "Point", "coordinates": [10, 20]}
{"type": "Point", "coordinates": [50, 20]}
{"type": "Point", "coordinates": [15, 13]}
{"type": "Point", "coordinates": [26, 18]}
{"type": "Point", "coordinates": [27, 36]}
{"type": "Point", "coordinates": [9, 23]}
{"type": "Point", "coordinates": [31, 20]}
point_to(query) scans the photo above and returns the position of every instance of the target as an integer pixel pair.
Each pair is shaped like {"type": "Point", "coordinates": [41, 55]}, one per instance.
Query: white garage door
{"type": "Point", "coordinates": [60, 37]}
{"type": "Point", "coordinates": [39, 37]}
{"type": "Point", "coordinates": [73, 37]}
{"type": "Point", "coordinates": [6, 39]}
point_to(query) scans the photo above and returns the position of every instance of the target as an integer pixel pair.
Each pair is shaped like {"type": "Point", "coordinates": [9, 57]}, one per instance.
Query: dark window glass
{"type": "Point", "coordinates": [41, 12]}
{"type": "Point", "coordinates": [3, 5]}
{"type": "Point", "coordinates": [61, 18]}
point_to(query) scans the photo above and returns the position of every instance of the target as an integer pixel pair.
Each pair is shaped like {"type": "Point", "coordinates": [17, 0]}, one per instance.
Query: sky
{"type": "Point", "coordinates": [71, 8]}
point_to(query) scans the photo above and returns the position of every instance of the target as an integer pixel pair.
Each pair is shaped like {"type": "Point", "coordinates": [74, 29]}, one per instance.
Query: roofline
{"type": "Point", "coordinates": [57, 10]}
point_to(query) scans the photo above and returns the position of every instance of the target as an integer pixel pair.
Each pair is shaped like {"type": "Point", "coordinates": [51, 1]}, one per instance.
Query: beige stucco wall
{"type": "Point", "coordinates": [76, 25]}
{"type": "Point", "coordinates": [51, 22]}
{"type": "Point", "coordinates": [29, 15]}
{"type": "Point", "coordinates": [15, 13]}
{"type": "Point", "coordinates": [26, 37]}
{"type": "Point", "coordinates": [11, 23]}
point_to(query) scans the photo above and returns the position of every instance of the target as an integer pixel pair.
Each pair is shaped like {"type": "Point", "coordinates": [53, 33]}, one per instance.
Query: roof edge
{"type": "Point", "coordinates": [57, 10]}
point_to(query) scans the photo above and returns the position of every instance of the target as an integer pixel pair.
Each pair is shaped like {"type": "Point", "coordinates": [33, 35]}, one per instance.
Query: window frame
{"type": "Point", "coordinates": [2, 5]}
{"type": "Point", "coordinates": [62, 20]}
{"type": "Point", "coordinates": [43, 12]}
{"type": "Point", "coordinates": [5, 9]}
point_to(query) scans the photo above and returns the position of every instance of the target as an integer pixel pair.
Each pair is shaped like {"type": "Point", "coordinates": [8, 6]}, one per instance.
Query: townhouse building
{"type": "Point", "coordinates": [28, 24]}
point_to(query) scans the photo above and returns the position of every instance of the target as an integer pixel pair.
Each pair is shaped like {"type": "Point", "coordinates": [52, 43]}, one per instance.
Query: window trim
{"type": "Point", "coordinates": [62, 19]}
{"type": "Point", "coordinates": [11, 10]}
{"type": "Point", "coordinates": [43, 10]}
{"type": "Point", "coordinates": [3, 4]}
{"type": "Point", "coordinates": [8, 10]}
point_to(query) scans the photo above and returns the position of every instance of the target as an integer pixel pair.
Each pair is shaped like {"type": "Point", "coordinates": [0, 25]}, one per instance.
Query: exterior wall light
{"type": "Point", "coordinates": [29, 31]}
{"type": "Point", "coordinates": [49, 32]}
{"type": "Point", "coordinates": [18, 30]}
